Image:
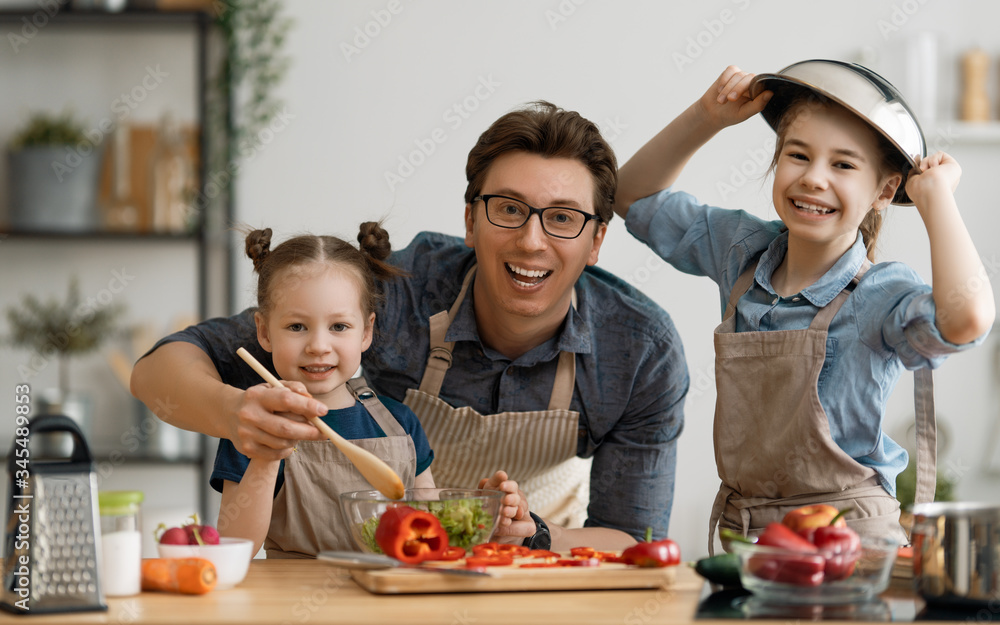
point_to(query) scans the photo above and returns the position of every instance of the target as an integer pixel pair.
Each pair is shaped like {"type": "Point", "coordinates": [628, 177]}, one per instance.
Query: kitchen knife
{"type": "Point", "coordinates": [374, 561]}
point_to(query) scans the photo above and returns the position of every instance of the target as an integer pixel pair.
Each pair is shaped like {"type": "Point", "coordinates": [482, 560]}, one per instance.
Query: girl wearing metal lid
{"type": "Point", "coordinates": [814, 336]}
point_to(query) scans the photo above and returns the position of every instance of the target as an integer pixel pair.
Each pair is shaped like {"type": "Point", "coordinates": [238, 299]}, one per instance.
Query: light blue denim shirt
{"type": "Point", "coordinates": [886, 325]}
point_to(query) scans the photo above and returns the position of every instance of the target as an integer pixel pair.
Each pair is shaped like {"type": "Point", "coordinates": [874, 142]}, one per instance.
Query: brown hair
{"type": "Point", "coordinates": [891, 160]}
{"type": "Point", "coordinates": [367, 262]}
{"type": "Point", "coordinates": [543, 128]}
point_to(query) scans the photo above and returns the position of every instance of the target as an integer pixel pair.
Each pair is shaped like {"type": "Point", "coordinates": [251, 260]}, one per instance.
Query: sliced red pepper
{"type": "Point", "coordinates": [652, 553]}
{"type": "Point", "coordinates": [542, 553]}
{"type": "Point", "coordinates": [583, 552]}
{"type": "Point", "coordinates": [578, 562]}
{"type": "Point", "coordinates": [452, 553]}
{"type": "Point", "coordinates": [485, 549]}
{"type": "Point", "coordinates": [475, 562]}
{"type": "Point", "coordinates": [608, 556]}
{"type": "Point", "coordinates": [516, 551]}
{"type": "Point", "coordinates": [411, 536]}
{"type": "Point", "coordinates": [539, 565]}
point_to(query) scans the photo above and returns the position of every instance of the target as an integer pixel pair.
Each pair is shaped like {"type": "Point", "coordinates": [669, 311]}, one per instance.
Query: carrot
{"type": "Point", "coordinates": [193, 576]}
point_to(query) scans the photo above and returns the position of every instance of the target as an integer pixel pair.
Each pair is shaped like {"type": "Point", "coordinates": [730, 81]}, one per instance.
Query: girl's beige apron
{"type": "Point", "coordinates": [770, 463]}
{"type": "Point", "coordinates": [306, 517]}
{"type": "Point", "coordinates": [536, 448]}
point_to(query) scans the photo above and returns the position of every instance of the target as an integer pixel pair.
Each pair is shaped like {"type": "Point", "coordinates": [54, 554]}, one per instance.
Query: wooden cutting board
{"type": "Point", "coordinates": [607, 576]}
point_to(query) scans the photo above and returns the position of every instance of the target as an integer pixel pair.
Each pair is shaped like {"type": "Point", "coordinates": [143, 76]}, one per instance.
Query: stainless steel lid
{"type": "Point", "coordinates": [856, 88]}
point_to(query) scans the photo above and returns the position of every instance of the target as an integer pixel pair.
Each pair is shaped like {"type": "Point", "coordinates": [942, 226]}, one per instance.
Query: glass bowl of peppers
{"type": "Point", "coordinates": [831, 566]}
{"type": "Point", "coordinates": [467, 516]}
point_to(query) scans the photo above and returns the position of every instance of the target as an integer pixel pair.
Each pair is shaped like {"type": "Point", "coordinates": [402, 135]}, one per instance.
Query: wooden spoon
{"type": "Point", "coordinates": [378, 473]}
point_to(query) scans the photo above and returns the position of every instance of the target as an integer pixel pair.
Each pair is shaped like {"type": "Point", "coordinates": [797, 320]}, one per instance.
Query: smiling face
{"type": "Point", "coordinates": [525, 277]}
{"type": "Point", "coordinates": [316, 330]}
{"type": "Point", "coordinates": [827, 177]}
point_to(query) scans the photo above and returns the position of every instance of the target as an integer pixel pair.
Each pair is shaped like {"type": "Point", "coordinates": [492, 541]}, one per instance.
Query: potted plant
{"type": "Point", "coordinates": [53, 173]}
{"type": "Point", "coordinates": [61, 330]}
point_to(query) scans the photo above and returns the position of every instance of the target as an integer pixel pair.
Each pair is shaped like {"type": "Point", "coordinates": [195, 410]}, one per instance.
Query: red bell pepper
{"type": "Point", "coordinates": [652, 553]}
{"type": "Point", "coordinates": [841, 546]}
{"type": "Point", "coordinates": [804, 566]}
{"type": "Point", "coordinates": [411, 536]}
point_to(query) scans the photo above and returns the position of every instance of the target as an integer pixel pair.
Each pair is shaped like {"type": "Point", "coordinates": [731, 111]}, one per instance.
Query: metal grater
{"type": "Point", "coordinates": [54, 565]}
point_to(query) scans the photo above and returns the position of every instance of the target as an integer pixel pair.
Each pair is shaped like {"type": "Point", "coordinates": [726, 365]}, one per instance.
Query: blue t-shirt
{"type": "Point", "coordinates": [886, 325]}
{"type": "Point", "coordinates": [631, 375]}
{"type": "Point", "coordinates": [352, 423]}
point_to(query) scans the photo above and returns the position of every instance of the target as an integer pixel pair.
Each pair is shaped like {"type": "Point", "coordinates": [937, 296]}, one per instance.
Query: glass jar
{"type": "Point", "coordinates": [121, 542]}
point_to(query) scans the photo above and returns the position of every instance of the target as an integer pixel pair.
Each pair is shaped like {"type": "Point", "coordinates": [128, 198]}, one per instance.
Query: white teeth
{"type": "Point", "coordinates": [812, 208]}
{"type": "Point", "coordinates": [528, 273]}
{"type": "Point", "coordinates": [317, 369]}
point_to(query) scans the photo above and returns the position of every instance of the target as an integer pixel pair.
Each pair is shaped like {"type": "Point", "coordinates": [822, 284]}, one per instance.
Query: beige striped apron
{"type": "Point", "coordinates": [306, 516]}
{"type": "Point", "coordinates": [773, 446]}
{"type": "Point", "coordinates": [536, 448]}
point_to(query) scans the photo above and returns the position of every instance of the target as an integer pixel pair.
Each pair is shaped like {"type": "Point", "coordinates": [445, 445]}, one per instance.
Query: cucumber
{"type": "Point", "coordinates": [723, 569]}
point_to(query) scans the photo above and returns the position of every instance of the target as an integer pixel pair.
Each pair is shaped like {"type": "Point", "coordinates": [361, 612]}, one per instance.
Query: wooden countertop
{"type": "Point", "coordinates": [310, 591]}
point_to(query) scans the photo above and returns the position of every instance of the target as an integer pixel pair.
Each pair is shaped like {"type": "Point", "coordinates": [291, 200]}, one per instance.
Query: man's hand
{"type": "Point", "coordinates": [515, 523]}
{"type": "Point", "coordinates": [271, 420]}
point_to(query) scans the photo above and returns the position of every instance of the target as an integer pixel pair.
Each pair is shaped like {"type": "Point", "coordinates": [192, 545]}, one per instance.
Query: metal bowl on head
{"type": "Point", "coordinates": [856, 88]}
{"type": "Point", "coordinates": [469, 516]}
{"type": "Point", "coordinates": [779, 576]}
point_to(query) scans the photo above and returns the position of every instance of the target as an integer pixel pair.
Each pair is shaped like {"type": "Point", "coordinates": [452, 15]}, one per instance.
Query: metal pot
{"type": "Point", "coordinates": [956, 553]}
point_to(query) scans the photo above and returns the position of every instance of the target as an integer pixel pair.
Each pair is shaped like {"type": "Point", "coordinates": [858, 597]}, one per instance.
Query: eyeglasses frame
{"type": "Point", "coordinates": [532, 211]}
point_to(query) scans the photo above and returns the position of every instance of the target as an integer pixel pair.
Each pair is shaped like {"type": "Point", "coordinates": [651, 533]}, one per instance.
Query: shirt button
{"type": "Point", "coordinates": [795, 299]}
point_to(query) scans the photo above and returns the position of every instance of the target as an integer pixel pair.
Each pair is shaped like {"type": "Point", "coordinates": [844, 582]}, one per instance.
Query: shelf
{"type": "Point", "coordinates": [91, 18]}
{"type": "Point", "coordinates": [99, 235]}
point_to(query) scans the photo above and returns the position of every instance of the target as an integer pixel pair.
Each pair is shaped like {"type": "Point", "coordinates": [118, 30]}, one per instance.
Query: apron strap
{"type": "Point", "coordinates": [826, 314]}
{"type": "Point", "coordinates": [359, 387]}
{"type": "Point", "coordinates": [742, 285]}
{"type": "Point", "coordinates": [439, 359]}
{"type": "Point", "coordinates": [926, 434]}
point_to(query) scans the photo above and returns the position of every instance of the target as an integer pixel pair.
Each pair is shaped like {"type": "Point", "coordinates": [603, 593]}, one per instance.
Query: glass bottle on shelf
{"type": "Point", "coordinates": [122, 214]}
{"type": "Point", "coordinates": [171, 178]}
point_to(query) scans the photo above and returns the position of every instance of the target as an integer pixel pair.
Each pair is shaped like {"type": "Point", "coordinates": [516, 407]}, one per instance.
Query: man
{"type": "Point", "coordinates": [512, 349]}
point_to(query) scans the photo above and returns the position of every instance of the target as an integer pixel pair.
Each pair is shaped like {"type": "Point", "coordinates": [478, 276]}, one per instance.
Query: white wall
{"type": "Point", "coordinates": [352, 117]}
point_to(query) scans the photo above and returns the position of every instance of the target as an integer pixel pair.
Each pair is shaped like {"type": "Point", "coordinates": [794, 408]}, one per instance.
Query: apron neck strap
{"type": "Point", "coordinates": [440, 357]}
{"type": "Point", "coordinates": [360, 389]}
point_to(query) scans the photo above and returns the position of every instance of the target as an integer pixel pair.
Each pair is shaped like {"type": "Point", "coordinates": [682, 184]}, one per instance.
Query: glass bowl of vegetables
{"type": "Point", "coordinates": [469, 516]}
{"type": "Point", "coordinates": [785, 576]}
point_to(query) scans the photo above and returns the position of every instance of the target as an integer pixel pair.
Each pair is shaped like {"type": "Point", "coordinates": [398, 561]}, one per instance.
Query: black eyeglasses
{"type": "Point", "coordinates": [557, 221]}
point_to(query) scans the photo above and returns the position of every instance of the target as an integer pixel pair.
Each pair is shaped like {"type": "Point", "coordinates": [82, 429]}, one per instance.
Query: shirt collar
{"type": "Point", "coordinates": [821, 292]}
{"type": "Point", "coordinates": [574, 335]}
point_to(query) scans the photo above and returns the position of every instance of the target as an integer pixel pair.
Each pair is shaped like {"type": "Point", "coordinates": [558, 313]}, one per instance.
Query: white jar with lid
{"type": "Point", "coordinates": [121, 542]}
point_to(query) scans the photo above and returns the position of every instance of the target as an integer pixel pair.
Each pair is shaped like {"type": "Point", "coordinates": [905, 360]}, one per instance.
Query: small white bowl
{"type": "Point", "coordinates": [231, 558]}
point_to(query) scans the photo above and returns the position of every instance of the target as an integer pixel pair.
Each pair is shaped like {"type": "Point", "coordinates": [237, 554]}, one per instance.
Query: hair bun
{"type": "Point", "coordinates": [258, 246]}
{"type": "Point", "coordinates": [373, 240]}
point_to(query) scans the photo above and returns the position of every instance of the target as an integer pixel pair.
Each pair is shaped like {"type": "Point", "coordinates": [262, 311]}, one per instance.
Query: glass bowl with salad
{"type": "Point", "coordinates": [469, 516]}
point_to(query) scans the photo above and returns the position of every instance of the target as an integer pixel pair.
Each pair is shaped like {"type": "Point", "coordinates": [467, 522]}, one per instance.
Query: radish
{"type": "Point", "coordinates": [189, 534]}
{"type": "Point", "coordinates": [174, 536]}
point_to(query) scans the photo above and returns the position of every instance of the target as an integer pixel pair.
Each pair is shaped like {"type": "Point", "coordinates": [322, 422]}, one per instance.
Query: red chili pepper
{"type": "Point", "coordinates": [804, 566]}
{"type": "Point", "coordinates": [410, 535]}
{"type": "Point", "coordinates": [652, 553]}
{"type": "Point", "coordinates": [841, 546]}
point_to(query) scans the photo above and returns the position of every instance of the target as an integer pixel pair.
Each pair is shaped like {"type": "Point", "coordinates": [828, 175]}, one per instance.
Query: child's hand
{"type": "Point", "coordinates": [514, 519]}
{"type": "Point", "coordinates": [727, 101]}
{"type": "Point", "coordinates": [933, 176]}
